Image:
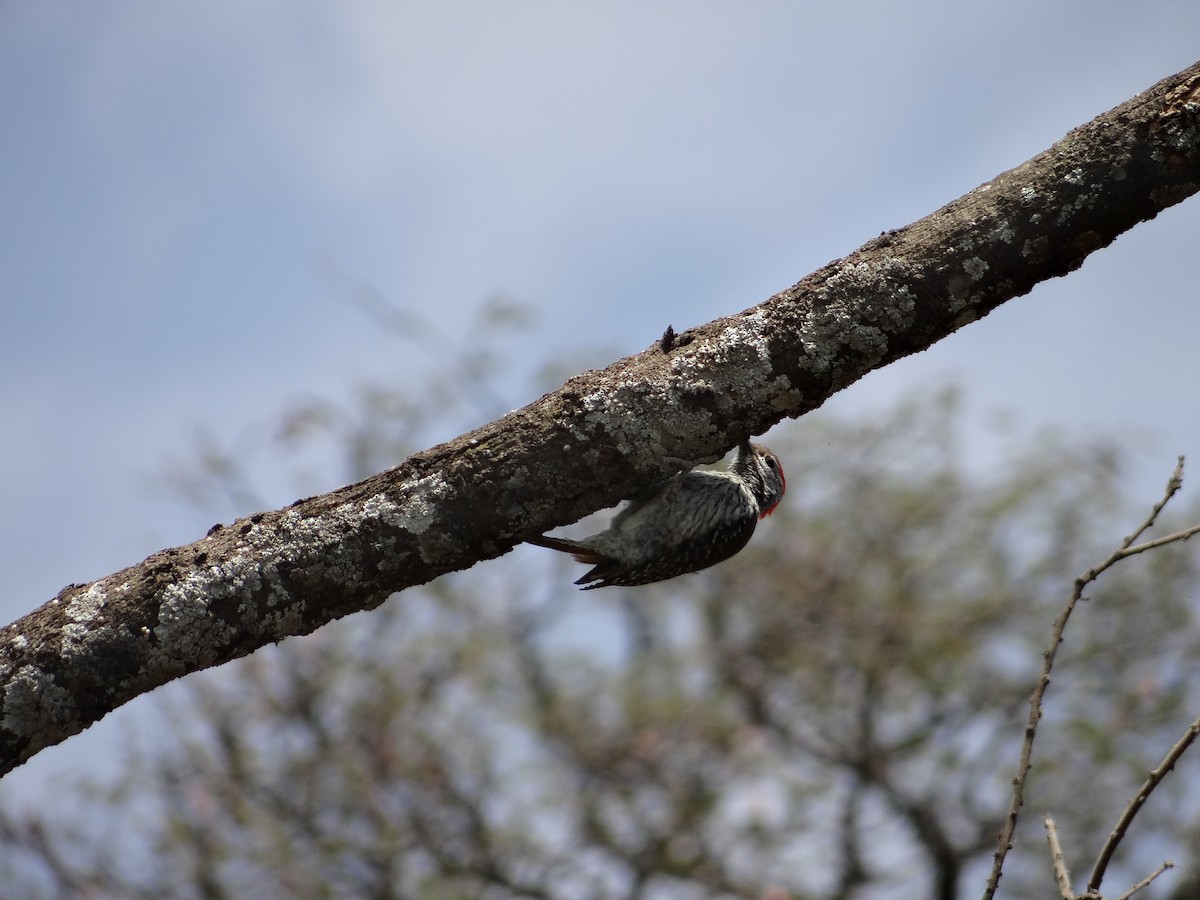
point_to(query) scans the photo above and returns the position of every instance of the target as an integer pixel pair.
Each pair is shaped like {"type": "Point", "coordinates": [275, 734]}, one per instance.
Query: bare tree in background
{"type": "Point", "coordinates": [834, 713]}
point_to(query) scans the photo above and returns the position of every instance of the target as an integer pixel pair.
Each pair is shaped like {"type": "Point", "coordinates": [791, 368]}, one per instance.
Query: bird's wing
{"type": "Point", "coordinates": [694, 503]}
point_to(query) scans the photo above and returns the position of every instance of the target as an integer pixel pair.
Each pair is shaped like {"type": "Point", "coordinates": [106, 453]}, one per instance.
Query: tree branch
{"type": "Point", "coordinates": [1153, 780]}
{"type": "Point", "coordinates": [1124, 551]}
{"type": "Point", "coordinates": [1167, 864]}
{"type": "Point", "coordinates": [600, 438]}
{"type": "Point", "coordinates": [1062, 877]}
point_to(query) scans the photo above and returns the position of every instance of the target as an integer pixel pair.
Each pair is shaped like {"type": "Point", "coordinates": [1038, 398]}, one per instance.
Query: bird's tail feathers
{"type": "Point", "coordinates": [579, 551]}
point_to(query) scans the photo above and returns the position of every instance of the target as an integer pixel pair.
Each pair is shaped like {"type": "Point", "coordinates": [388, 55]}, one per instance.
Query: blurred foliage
{"type": "Point", "coordinates": [834, 713]}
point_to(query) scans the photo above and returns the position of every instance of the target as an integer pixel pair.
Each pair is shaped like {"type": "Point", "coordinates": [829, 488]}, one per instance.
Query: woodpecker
{"type": "Point", "coordinates": [689, 522]}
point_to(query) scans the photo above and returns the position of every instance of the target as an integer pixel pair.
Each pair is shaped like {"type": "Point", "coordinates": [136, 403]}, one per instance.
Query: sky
{"type": "Point", "coordinates": [188, 189]}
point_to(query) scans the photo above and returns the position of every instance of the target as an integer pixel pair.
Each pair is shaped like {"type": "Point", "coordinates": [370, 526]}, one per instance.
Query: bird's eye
{"type": "Point", "coordinates": [771, 461]}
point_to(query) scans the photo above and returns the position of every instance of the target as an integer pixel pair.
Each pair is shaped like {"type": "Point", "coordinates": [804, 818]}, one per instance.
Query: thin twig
{"type": "Point", "coordinates": [1004, 843]}
{"type": "Point", "coordinates": [1061, 875]}
{"type": "Point", "coordinates": [1174, 483]}
{"type": "Point", "coordinates": [1148, 786]}
{"type": "Point", "coordinates": [1127, 548]}
{"type": "Point", "coordinates": [1160, 542]}
{"type": "Point", "coordinates": [1167, 864]}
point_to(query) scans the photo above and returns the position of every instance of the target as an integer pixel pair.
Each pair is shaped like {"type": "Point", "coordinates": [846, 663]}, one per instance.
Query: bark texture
{"type": "Point", "coordinates": [601, 437]}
